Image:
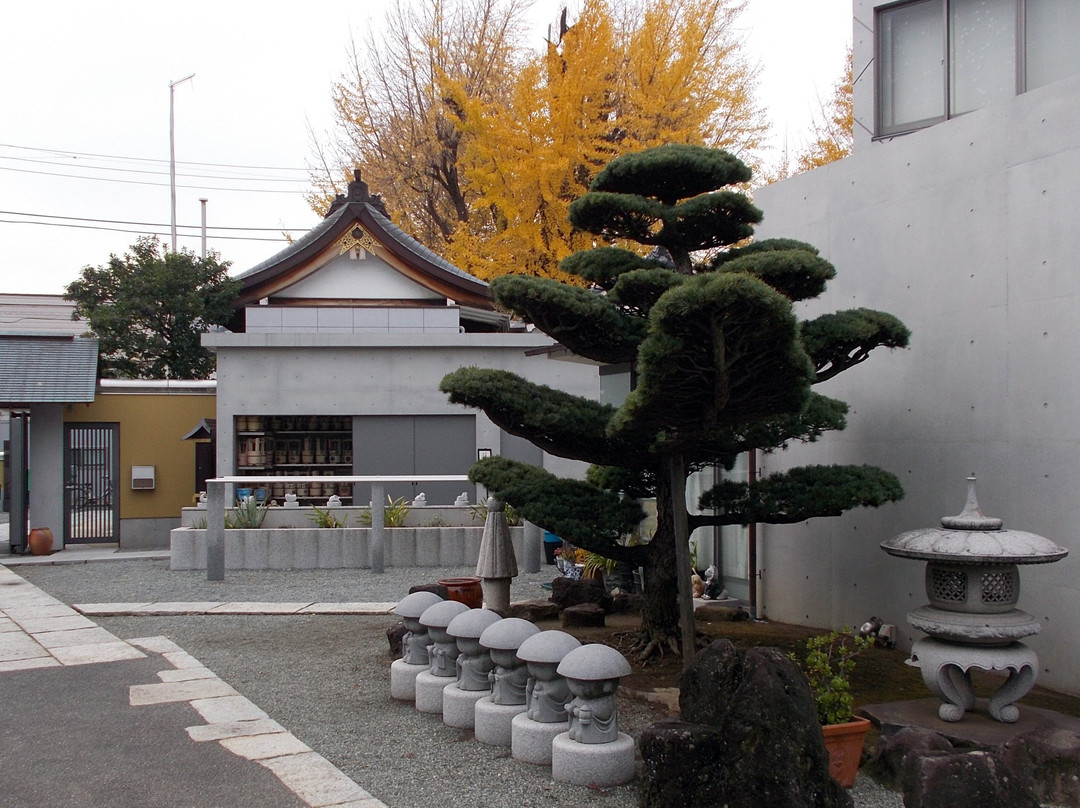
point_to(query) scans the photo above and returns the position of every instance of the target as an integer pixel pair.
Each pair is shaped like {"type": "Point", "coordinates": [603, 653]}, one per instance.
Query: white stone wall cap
{"type": "Point", "coordinates": [439, 615]}
{"type": "Point", "coordinates": [508, 634]}
{"type": "Point", "coordinates": [416, 604]}
{"type": "Point", "coordinates": [471, 624]}
{"type": "Point", "coordinates": [548, 647]}
{"type": "Point", "coordinates": [594, 662]}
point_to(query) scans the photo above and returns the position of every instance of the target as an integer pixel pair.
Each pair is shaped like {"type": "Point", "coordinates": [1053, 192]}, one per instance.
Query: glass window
{"type": "Point", "coordinates": [911, 54]}
{"type": "Point", "coordinates": [1051, 31]}
{"type": "Point", "coordinates": [982, 53]}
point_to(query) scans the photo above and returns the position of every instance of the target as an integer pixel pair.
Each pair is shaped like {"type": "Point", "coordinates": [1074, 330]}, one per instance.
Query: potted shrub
{"type": "Point", "coordinates": [830, 659]}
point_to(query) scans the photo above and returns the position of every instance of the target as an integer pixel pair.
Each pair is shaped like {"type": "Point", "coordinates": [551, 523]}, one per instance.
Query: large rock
{"type": "Point", "coordinates": [886, 761]}
{"type": "Point", "coordinates": [394, 635]}
{"type": "Point", "coordinates": [533, 610]}
{"type": "Point", "coordinates": [1048, 762]}
{"type": "Point", "coordinates": [566, 592]}
{"type": "Point", "coordinates": [978, 779]}
{"type": "Point", "coordinates": [583, 615]}
{"type": "Point", "coordinates": [749, 738]}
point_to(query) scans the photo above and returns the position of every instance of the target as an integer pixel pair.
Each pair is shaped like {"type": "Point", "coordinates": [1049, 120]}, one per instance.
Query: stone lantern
{"type": "Point", "coordinates": [972, 621]}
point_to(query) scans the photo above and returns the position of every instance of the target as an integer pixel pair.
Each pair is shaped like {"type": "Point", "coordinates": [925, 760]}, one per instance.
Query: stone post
{"type": "Point", "coordinates": [215, 531]}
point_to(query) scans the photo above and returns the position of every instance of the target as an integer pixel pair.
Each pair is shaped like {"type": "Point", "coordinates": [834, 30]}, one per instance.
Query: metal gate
{"type": "Point", "coordinates": [92, 474]}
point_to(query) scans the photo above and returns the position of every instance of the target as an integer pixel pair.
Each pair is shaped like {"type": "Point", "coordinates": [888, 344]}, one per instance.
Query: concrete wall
{"type": "Point", "coordinates": [46, 461]}
{"type": "Point", "coordinates": [373, 374]}
{"type": "Point", "coordinates": [340, 548]}
{"type": "Point", "coordinates": [967, 232]}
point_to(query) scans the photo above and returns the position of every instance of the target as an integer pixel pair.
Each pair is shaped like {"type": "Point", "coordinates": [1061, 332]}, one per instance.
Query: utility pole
{"type": "Point", "coordinates": [202, 202]}
{"type": "Point", "coordinates": [172, 154]}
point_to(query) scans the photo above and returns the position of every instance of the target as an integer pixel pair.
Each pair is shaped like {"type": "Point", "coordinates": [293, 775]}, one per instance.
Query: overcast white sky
{"type": "Point", "coordinates": [80, 80]}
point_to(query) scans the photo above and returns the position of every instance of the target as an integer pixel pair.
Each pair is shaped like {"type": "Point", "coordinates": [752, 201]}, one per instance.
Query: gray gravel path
{"type": "Point", "coordinates": [326, 679]}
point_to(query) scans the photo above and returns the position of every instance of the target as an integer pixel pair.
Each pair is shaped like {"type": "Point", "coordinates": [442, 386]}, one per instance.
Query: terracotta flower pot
{"type": "Point", "coordinates": [40, 541]}
{"type": "Point", "coordinates": [845, 743]}
{"type": "Point", "coordinates": [465, 590]}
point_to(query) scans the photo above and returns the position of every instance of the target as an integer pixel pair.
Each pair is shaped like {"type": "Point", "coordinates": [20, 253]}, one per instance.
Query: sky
{"type": "Point", "coordinates": [84, 118]}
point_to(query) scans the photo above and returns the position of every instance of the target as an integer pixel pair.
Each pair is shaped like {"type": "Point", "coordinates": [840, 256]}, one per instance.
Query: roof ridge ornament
{"type": "Point", "coordinates": [971, 518]}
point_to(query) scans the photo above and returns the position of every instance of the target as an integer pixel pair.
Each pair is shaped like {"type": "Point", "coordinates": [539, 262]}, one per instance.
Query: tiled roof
{"type": "Point", "coordinates": [41, 369]}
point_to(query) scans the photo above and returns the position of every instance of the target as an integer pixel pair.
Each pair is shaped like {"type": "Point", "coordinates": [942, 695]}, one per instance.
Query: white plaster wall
{"type": "Point", "coordinates": [369, 277]}
{"type": "Point", "coordinates": [355, 374]}
{"type": "Point", "coordinates": [968, 232]}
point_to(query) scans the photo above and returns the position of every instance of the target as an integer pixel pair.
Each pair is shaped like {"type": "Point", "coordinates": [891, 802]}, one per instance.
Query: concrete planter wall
{"type": "Point", "coordinates": [334, 548]}
{"type": "Point", "coordinates": [299, 518]}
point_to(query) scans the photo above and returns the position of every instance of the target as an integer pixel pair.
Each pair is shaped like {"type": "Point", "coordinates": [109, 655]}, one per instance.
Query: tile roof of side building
{"type": "Point", "coordinates": [38, 315]}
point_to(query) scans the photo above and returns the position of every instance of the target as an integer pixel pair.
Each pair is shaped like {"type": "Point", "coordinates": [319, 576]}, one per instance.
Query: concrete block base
{"type": "Point", "coordinates": [459, 706]}
{"type": "Point", "coordinates": [494, 721]}
{"type": "Point", "coordinates": [403, 680]}
{"type": "Point", "coordinates": [531, 740]}
{"type": "Point", "coordinates": [429, 692]}
{"type": "Point", "coordinates": [593, 764]}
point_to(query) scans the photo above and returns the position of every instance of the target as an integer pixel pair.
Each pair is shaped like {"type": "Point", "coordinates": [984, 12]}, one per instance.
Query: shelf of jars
{"type": "Point", "coordinates": [296, 445]}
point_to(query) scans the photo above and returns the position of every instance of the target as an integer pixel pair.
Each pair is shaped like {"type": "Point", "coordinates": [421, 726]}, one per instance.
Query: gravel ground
{"type": "Point", "coordinates": [326, 679]}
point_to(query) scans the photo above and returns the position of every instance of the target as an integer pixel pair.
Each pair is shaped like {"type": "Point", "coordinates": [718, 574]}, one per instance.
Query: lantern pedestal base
{"type": "Point", "coordinates": [946, 667]}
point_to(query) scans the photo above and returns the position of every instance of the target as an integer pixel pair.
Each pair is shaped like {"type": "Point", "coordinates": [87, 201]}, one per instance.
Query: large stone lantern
{"type": "Point", "coordinates": [972, 621]}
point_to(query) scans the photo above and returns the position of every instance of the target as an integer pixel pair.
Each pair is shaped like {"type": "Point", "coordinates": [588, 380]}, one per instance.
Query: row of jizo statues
{"type": "Point", "coordinates": [549, 698]}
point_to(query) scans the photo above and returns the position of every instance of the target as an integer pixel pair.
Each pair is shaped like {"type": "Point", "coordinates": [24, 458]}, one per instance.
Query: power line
{"type": "Point", "coordinates": [153, 184]}
{"type": "Point", "coordinates": [147, 159]}
{"type": "Point", "coordinates": [147, 171]}
{"type": "Point", "coordinates": [142, 224]}
{"type": "Point", "coordinates": [163, 234]}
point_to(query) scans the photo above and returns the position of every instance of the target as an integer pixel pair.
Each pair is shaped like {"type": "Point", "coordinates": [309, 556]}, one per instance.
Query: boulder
{"type": "Point", "coordinates": [1047, 761]}
{"type": "Point", "coordinates": [584, 615]}
{"type": "Point", "coordinates": [978, 779]}
{"type": "Point", "coordinates": [533, 610]}
{"type": "Point", "coordinates": [886, 760]}
{"type": "Point", "coordinates": [438, 589]}
{"type": "Point", "coordinates": [626, 602]}
{"type": "Point", "coordinates": [749, 737]}
{"type": "Point", "coordinates": [720, 612]}
{"type": "Point", "coordinates": [566, 592]}
{"type": "Point", "coordinates": [394, 636]}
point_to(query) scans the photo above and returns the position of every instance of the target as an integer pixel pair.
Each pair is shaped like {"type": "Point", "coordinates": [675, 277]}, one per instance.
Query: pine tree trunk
{"type": "Point", "coordinates": [660, 609]}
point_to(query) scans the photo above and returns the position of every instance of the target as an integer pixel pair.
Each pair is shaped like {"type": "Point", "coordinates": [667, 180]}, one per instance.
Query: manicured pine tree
{"type": "Point", "coordinates": [720, 362]}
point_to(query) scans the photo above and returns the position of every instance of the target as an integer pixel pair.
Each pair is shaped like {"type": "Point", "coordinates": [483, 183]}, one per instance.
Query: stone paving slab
{"type": "Point", "coordinates": [233, 729]}
{"type": "Point", "coordinates": [38, 625]}
{"type": "Point", "coordinates": [185, 674]}
{"type": "Point", "coordinates": [29, 664]}
{"type": "Point", "coordinates": [157, 645]}
{"type": "Point", "coordinates": [256, 607]}
{"type": "Point", "coordinates": [260, 747]}
{"type": "Point", "coordinates": [19, 646]}
{"type": "Point", "coordinates": [350, 608]}
{"type": "Point", "coordinates": [227, 708]}
{"type": "Point", "coordinates": [79, 636]}
{"type": "Point", "coordinates": [98, 652]}
{"type": "Point", "coordinates": [179, 691]}
{"type": "Point", "coordinates": [317, 781]}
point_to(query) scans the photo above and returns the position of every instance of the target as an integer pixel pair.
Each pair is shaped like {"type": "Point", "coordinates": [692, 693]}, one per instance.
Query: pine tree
{"type": "Point", "coordinates": [722, 366]}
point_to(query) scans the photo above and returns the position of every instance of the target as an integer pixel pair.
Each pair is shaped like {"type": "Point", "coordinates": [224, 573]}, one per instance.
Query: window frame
{"type": "Point", "coordinates": [1019, 68]}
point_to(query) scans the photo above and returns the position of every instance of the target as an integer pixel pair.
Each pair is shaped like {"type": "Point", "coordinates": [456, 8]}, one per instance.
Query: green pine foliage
{"type": "Point", "coordinates": [721, 365]}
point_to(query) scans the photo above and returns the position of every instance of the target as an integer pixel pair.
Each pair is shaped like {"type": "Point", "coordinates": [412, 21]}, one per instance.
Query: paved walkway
{"type": "Point", "coordinates": [86, 727]}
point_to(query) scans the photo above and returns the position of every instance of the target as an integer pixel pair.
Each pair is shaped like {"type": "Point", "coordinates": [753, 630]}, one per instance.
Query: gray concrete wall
{"type": "Point", "coordinates": [46, 462]}
{"type": "Point", "coordinates": [373, 374]}
{"type": "Point", "coordinates": [966, 231]}
{"type": "Point", "coordinates": [146, 534]}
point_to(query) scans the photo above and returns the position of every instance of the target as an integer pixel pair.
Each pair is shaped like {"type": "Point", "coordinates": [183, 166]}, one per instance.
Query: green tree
{"type": "Point", "coordinates": [149, 308]}
{"type": "Point", "coordinates": [721, 362]}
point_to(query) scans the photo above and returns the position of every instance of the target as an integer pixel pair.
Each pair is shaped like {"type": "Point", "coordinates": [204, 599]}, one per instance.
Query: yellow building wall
{"type": "Point", "coordinates": [151, 428]}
